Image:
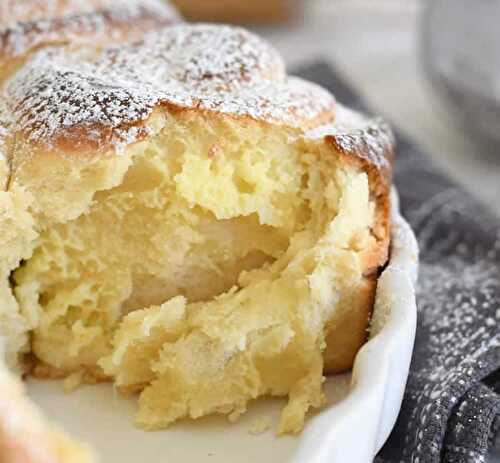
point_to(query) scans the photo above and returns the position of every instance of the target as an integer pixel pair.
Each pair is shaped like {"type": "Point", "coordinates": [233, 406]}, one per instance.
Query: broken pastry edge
{"type": "Point", "coordinates": [366, 317]}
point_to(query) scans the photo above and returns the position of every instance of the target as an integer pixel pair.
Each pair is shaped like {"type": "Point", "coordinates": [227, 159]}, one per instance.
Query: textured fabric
{"type": "Point", "coordinates": [451, 404]}
{"type": "Point", "coordinates": [466, 443]}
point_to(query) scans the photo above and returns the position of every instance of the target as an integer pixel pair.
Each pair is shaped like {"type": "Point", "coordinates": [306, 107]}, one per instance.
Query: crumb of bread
{"type": "Point", "coordinates": [203, 277]}
{"type": "Point", "coordinates": [260, 425]}
{"type": "Point", "coordinates": [73, 381]}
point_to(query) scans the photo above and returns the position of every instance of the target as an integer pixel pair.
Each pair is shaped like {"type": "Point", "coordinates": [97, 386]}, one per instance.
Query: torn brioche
{"type": "Point", "coordinates": [27, 26]}
{"type": "Point", "coordinates": [182, 218]}
{"type": "Point", "coordinates": [25, 437]}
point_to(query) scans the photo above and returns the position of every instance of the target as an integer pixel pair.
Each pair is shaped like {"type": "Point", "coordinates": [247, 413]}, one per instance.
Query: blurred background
{"type": "Point", "coordinates": [431, 67]}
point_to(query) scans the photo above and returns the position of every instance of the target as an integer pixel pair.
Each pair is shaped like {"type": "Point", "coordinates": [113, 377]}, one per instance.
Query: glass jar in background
{"type": "Point", "coordinates": [461, 51]}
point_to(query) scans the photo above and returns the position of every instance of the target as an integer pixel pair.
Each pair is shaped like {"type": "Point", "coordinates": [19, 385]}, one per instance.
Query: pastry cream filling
{"type": "Point", "coordinates": [205, 277]}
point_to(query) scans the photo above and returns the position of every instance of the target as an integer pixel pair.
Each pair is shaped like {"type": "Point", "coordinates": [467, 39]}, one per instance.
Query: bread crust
{"type": "Point", "coordinates": [100, 104]}
{"type": "Point", "coordinates": [368, 147]}
{"type": "Point", "coordinates": [90, 375]}
{"type": "Point", "coordinates": [31, 25]}
{"type": "Point", "coordinates": [235, 11]}
{"type": "Point", "coordinates": [347, 330]}
{"type": "Point", "coordinates": [371, 149]}
{"type": "Point", "coordinates": [13, 12]}
{"type": "Point", "coordinates": [218, 69]}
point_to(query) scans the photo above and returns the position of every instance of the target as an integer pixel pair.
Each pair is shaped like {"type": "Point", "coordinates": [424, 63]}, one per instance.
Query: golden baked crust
{"type": "Point", "coordinates": [236, 11]}
{"type": "Point", "coordinates": [169, 122]}
{"type": "Point", "coordinates": [210, 68]}
{"type": "Point", "coordinates": [27, 26]}
{"type": "Point", "coordinates": [13, 12]}
{"type": "Point", "coordinates": [227, 71]}
{"type": "Point", "coordinates": [369, 145]}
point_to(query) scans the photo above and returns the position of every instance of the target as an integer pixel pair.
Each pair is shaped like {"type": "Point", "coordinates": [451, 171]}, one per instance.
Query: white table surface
{"type": "Point", "coordinates": [376, 43]}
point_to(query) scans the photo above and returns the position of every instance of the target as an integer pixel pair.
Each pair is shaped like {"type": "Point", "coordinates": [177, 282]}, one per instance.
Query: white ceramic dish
{"type": "Point", "coordinates": [362, 408]}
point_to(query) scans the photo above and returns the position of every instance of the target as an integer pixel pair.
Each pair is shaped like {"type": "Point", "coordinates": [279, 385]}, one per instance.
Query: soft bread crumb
{"type": "Point", "coordinates": [73, 381]}
{"type": "Point", "coordinates": [260, 425]}
{"type": "Point", "coordinates": [202, 277]}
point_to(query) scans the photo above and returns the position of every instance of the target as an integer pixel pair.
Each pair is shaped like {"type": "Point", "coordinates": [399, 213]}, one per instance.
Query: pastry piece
{"type": "Point", "coordinates": [28, 25]}
{"type": "Point", "coordinates": [25, 437]}
{"type": "Point", "coordinates": [26, 28]}
{"type": "Point", "coordinates": [188, 221]}
{"type": "Point", "coordinates": [238, 11]}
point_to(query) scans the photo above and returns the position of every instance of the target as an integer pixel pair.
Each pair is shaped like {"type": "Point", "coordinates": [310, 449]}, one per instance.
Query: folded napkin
{"type": "Point", "coordinates": [451, 404]}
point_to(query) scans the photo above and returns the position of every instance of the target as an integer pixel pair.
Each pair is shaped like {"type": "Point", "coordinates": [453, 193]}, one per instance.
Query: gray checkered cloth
{"type": "Point", "coordinates": [451, 405]}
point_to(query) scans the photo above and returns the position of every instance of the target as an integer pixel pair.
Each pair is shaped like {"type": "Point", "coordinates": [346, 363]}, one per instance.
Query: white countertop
{"type": "Point", "coordinates": [376, 44]}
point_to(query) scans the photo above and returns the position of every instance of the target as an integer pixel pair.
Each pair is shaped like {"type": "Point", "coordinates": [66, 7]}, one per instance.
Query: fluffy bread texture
{"type": "Point", "coordinates": [237, 256]}
{"type": "Point", "coordinates": [26, 27]}
{"type": "Point", "coordinates": [227, 263]}
{"type": "Point", "coordinates": [183, 219]}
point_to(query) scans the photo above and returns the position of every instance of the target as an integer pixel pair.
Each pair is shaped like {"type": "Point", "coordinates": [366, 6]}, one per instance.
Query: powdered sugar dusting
{"type": "Point", "coordinates": [346, 121]}
{"type": "Point", "coordinates": [58, 99]}
{"type": "Point", "coordinates": [29, 24]}
{"type": "Point", "coordinates": [4, 128]}
{"type": "Point", "coordinates": [370, 139]}
{"type": "Point", "coordinates": [458, 341]}
{"type": "Point", "coordinates": [217, 68]}
{"type": "Point", "coordinates": [457, 309]}
{"type": "Point", "coordinates": [207, 55]}
{"type": "Point", "coordinates": [14, 12]}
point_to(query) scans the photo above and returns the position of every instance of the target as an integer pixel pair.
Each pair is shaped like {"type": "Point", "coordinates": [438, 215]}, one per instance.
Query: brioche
{"type": "Point", "coordinates": [25, 437]}
{"type": "Point", "coordinates": [238, 11]}
{"type": "Point", "coordinates": [25, 27]}
{"type": "Point", "coordinates": [29, 25]}
{"type": "Point", "coordinates": [184, 219]}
